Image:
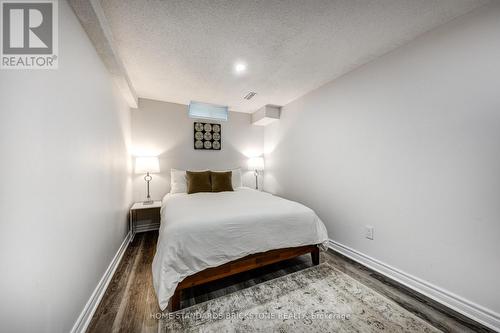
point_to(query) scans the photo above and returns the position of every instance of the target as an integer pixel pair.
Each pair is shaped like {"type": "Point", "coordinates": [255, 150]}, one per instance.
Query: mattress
{"type": "Point", "coordinates": [204, 230]}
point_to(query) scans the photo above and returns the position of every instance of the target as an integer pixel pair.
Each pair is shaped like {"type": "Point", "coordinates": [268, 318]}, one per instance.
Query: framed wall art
{"type": "Point", "coordinates": [207, 136]}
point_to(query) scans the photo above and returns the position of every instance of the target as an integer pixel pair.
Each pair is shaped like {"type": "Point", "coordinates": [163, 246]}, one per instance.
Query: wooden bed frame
{"type": "Point", "coordinates": [238, 266]}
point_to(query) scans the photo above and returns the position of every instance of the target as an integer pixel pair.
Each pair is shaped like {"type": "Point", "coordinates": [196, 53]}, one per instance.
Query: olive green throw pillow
{"type": "Point", "coordinates": [221, 181]}
{"type": "Point", "coordinates": [198, 181]}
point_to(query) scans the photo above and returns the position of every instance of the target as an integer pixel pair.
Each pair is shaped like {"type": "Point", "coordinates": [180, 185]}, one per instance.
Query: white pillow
{"type": "Point", "coordinates": [178, 182]}
{"type": "Point", "coordinates": [236, 178]}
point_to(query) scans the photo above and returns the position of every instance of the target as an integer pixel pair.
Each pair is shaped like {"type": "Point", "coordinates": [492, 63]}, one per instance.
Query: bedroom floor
{"type": "Point", "coordinates": [129, 304]}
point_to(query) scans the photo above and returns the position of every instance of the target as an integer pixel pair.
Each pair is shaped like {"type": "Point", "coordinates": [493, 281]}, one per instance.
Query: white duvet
{"type": "Point", "coordinates": [205, 230]}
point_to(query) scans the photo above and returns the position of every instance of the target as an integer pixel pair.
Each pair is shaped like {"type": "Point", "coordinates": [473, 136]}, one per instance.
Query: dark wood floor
{"type": "Point", "coordinates": [130, 305]}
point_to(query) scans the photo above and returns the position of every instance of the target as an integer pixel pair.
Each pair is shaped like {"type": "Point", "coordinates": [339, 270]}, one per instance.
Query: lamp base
{"type": "Point", "coordinates": [148, 202]}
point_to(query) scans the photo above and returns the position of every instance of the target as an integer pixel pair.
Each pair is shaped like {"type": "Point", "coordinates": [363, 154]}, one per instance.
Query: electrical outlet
{"type": "Point", "coordinates": [369, 232]}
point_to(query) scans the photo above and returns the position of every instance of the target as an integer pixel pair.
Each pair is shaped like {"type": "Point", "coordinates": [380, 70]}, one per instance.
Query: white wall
{"type": "Point", "coordinates": [409, 144]}
{"type": "Point", "coordinates": [65, 184]}
{"type": "Point", "coordinates": [165, 130]}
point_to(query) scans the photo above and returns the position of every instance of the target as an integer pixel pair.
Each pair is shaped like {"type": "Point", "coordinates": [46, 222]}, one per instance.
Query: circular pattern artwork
{"type": "Point", "coordinates": [198, 144]}
{"type": "Point", "coordinates": [198, 127]}
{"type": "Point", "coordinates": [207, 136]}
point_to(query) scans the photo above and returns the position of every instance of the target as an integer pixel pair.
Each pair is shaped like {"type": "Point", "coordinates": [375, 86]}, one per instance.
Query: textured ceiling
{"type": "Point", "coordinates": [182, 50]}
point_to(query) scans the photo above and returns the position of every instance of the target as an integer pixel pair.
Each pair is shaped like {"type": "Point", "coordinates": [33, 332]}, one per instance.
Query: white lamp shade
{"type": "Point", "coordinates": [147, 164]}
{"type": "Point", "coordinates": [256, 163]}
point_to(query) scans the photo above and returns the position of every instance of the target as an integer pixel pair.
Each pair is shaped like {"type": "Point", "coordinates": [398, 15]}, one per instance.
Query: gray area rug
{"type": "Point", "coordinates": [317, 299]}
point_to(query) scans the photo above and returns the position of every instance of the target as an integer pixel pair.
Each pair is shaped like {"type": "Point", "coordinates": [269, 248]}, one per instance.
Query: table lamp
{"type": "Point", "coordinates": [256, 164]}
{"type": "Point", "coordinates": [147, 165]}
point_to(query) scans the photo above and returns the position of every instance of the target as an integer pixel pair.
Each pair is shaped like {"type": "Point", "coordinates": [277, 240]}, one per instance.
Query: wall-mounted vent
{"type": "Point", "coordinates": [250, 95]}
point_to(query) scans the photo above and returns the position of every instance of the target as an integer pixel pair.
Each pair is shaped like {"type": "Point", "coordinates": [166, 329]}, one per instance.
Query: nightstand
{"type": "Point", "coordinates": [148, 215]}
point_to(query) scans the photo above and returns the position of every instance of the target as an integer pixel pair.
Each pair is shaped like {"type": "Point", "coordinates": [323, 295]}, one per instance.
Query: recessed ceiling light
{"type": "Point", "coordinates": [240, 67]}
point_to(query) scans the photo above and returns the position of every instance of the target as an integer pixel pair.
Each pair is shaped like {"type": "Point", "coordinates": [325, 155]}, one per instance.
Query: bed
{"type": "Point", "coordinates": [206, 236]}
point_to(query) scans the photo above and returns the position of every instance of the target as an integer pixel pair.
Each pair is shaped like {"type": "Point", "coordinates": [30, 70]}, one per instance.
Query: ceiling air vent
{"type": "Point", "coordinates": [250, 95]}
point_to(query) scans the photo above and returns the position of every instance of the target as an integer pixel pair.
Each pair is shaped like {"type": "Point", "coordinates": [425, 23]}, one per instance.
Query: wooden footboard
{"type": "Point", "coordinates": [241, 265]}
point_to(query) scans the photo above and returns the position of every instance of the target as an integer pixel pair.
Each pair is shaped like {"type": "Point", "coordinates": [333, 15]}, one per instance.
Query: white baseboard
{"type": "Point", "coordinates": [469, 309]}
{"type": "Point", "coordinates": [83, 320]}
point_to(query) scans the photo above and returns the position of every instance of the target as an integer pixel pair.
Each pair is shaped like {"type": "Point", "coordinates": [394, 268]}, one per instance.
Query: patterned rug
{"type": "Point", "coordinates": [317, 299]}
